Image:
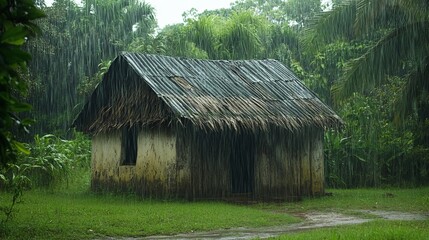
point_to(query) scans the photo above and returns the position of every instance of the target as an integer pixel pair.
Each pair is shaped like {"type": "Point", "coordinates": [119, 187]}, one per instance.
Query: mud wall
{"type": "Point", "coordinates": [317, 164]}
{"type": "Point", "coordinates": [192, 164]}
{"type": "Point", "coordinates": [203, 163]}
{"type": "Point", "coordinates": [289, 165]}
{"type": "Point", "coordinates": [107, 174]}
{"type": "Point", "coordinates": [275, 165]}
{"type": "Point", "coordinates": [153, 175]}
{"type": "Point", "coordinates": [156, 163]}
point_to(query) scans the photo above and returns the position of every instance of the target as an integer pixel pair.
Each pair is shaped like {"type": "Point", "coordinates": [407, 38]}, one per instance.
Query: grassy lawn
{"type": "Point", "coordinates": [44, 215]}
{"type": "Point", "coordinates": [414, 200]}
{"type": "Point", "coordinates": [390, 199]}
{"type": "Point", "coordinates": [74, 213]}
{"type": "Point", "coordinates": [375, 230]}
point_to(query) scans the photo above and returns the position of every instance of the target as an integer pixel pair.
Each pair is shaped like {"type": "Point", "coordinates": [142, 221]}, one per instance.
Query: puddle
{"type": "Point", "coordinates": [311, 220]}
{"type": "Point", "coordinates": [319, 220]}
{"type": "Point", "coordinates": [394, 215]}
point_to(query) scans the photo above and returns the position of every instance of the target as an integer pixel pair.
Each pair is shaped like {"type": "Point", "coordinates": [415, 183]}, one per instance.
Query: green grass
{"type": "Point", "coordinates": [392, 230]}
{"type": "Point", "coordinates": [351, 201]}
{"type": "Point", "coordinates": [74, 213]}
{"type": "Point", "coordinates": [44, 215]}
{"type": "Point", "coordinates": [409, 200]}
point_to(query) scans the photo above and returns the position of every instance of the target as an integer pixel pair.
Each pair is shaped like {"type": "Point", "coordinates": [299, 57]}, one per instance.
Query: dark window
{"type": "Point", "coordinates": [129, 146]}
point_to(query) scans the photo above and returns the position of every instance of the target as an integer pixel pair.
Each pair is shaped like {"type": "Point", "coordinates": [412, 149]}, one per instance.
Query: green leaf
{"type": "Point", "coordinates": [14, 35]}
{"type": "Point", "coordinates": [360, 158]}
{"type": "Point", "coordinates": [20, 107]}
{"type": "Point", "coordinates": [13, 54]}
{"type": "Point", "coordinates": [3, 178]}
{"type": "Point", "coordinates": [21, 147]}
{"type": "Point", "coordinates": [34, 13]}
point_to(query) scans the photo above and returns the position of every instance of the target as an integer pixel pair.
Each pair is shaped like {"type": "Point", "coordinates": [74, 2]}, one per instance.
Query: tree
{"type": "Point", "coordinates": [300, 12]}
{"type": "Point", "coordinates": [245, 36]}
{"type": "Point", "coordinates": [204, 33]}
{"type": "Point", "coordinates": [231, 34]}
{"type": "Point", "coordinates": [388, 81]}
{"type": "Point", "coordinates": [176, 42]}
{"type": "Point", "coordinates": [273, 10]}
{"type": "Point", "coordinates": [76, 38]}
{"type": "Point", "coordinates": [16, 25]}
{"type": "Point", "coordinates": [294, 12]}
{"type": "Point", "coordinates": [399, 29]}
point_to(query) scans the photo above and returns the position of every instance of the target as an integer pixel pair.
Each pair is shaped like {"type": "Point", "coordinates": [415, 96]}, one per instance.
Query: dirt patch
{"type": "Point", "coordinates": [311, 220]}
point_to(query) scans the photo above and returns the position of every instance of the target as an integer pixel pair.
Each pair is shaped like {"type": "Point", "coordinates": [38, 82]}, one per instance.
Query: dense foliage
{"type": "Point", "coordinates": [16, 26]}
{"type": "Point", "coordinates": [76, 39]}
{"type": "Point", "coordinates": [372, 53]}
{"type": "Point", "coordinates": [54, 160]}
{"type": "Point", "coordinates": [385, 139]}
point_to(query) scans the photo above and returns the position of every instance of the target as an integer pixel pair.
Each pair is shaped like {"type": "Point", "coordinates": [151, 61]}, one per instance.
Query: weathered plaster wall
{"type": "Point", "coordinates": [289, 165]}
{"type": "Point", "coordinates": [317, 164]}
{"type": "Point", "coordinates": [210, 170]}
{"type": "Point", "coordinates": [183, 165]}
{"type": "Point", "coordinates": [286, 165]}
{"type": "Point", "coordinates": [195, 164]}
{"type": "Point", "coordinates": [274, 167]}
{"type": "Point", "coordinates": [305, 168]}
{"type": "Point", "coordinates": [154, 172]}
{"type": "Point", "coordinates": [156, 162]}
{"type": "Point", "coordinates": [203, 164]}
{"type": "Point", "coordinates": [106, 155]}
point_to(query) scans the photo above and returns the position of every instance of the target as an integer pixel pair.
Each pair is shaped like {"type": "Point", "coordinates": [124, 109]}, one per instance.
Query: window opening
{"type": "Point", "coordinates": [129, 146]}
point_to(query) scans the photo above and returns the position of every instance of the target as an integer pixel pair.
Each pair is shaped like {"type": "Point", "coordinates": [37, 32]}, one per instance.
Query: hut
{"type": "Point", "coordinates": [171, 127]}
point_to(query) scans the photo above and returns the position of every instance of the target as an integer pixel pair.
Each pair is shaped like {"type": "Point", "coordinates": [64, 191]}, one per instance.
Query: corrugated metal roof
{"type": "Point", "coordinates": [218, 92]}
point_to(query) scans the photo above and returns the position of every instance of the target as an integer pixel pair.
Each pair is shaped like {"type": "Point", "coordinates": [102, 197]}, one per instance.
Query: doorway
{"type": "Point", "coordinates": [242, 164]}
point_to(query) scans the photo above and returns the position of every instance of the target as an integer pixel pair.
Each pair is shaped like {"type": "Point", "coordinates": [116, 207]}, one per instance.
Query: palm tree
{"type": "Point", "coordinates": [399, 30]}
{"type": "Point", "coordinates": [245, 35]}
{"type": "Point", "coordinates": [204, 33]}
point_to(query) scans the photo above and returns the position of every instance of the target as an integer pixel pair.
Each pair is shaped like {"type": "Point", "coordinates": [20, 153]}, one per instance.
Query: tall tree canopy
{"type": "Point", "coordinates": [378, 48]}
{"type": "Point", "coordinates": [76, 38]}
{"type": "Point", "coordinates": [399, 29]}
{"type": "Point", "coordinates": [386, 79]}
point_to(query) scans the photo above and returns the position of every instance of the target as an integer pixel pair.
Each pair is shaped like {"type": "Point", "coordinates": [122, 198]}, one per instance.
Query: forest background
{"type": "Point", "coordinates": [367, 59]}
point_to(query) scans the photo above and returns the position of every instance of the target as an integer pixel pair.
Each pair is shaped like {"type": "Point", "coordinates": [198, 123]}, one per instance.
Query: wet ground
{"type": "Point", "coordinates": [311, 220]}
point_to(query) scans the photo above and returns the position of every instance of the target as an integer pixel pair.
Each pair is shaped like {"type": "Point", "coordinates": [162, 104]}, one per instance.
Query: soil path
{"type": "Point", "coordinates": [312, 220]}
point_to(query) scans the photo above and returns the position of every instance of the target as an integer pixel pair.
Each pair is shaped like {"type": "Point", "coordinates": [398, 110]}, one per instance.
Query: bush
{"type": "Point", "coordinates": [55, 159]}
{"type": "Point", "coordinates": [371, 151]}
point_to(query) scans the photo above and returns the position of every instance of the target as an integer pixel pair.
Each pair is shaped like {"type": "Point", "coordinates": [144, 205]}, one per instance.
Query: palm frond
{"type": "Point", "coordinates": [242, 35]}
{"type": "Point", "coordinates": [414, 9]}
{"type": "Point", "coordinates": [383, 58]}
{"type": "Point", "coordinates": [416, 83]}
{"type": "Point", "coordinates": [203, 33]}
{"type": "Point", "coordinates": [372, 15]}
{"type": "Point", "coordinates": [331, 25]}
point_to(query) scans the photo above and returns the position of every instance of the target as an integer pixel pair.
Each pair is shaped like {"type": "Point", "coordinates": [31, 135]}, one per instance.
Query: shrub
{"type": "Point", "coordinates": [54, 159]}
